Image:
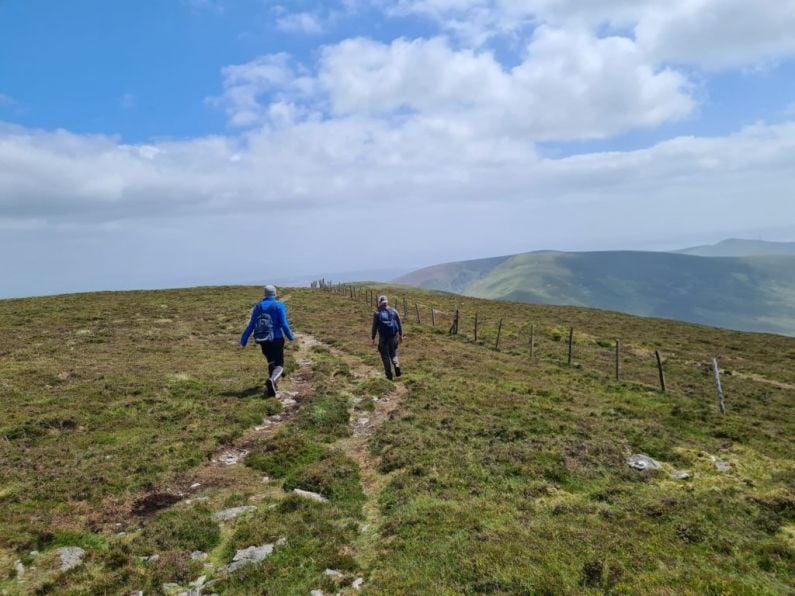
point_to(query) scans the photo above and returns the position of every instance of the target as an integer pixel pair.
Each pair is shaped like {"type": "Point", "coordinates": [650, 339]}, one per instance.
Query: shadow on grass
{"type": "Point", "coordinates": [258, 390]}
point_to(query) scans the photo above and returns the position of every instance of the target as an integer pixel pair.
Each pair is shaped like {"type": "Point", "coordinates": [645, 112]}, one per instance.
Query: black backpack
{"type": "Point", "coordinates": [263, 327]}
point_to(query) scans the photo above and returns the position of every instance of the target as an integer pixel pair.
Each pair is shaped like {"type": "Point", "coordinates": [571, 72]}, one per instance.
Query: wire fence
{"type": "Point", "coordinates": [681, 371]}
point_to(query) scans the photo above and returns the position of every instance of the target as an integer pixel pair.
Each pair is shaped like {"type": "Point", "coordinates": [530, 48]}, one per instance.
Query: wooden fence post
{"type": "Point", "coordinates": [405, 309]}
{"type": "Point", "coordinates": [571, 344]}
{"type": "Point", "coordinates": [662, 372]}
{"type": "Point", "coordinates": [454, 326]}
{"type": "Point", "coordinates": [718, 388]}
{"type": "Point", "coordinates": [433, 317]}
{"type": "Point", "coordinates": [532, 341]}
{"type": "Point", "coordinates": [476, 326]}
{"type": "Point", "coordinates": [618, 360]}
{"type": "Point", "coordinates": [499, 331]}
{"type": "Point", "coordinates": [417, 308]}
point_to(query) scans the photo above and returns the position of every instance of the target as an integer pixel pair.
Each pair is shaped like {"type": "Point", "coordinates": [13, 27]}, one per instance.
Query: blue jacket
{"type": "Point", "coordinates": [279, 315]}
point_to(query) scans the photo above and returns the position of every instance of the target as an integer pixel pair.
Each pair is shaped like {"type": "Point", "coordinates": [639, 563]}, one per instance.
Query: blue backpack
{"type": "Point", "coordinates": [387, 325]}
{"type": "Point", "coordinates": [263, 327]}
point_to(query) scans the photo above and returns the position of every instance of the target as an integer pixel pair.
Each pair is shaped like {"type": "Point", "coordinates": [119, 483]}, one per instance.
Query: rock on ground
{"type": "Point", "coordinates": [252, 554]}
{"type": "Point", "coordinates": [643, 462]}
{"type": "Point", "coordinates": [310, 495]}
{"type": "Point", "coordinates": [229, 514]}
{"type": "Point", "coordinates": [71, 557]}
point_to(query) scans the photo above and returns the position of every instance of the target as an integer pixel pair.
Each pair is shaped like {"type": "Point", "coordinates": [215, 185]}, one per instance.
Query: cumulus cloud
{"type": "Point", "coordinates": [712, 34]}
{"type": "Point", "coordinates": [718, 34]}
{"type": "Point", "coordinates": [570, 85]}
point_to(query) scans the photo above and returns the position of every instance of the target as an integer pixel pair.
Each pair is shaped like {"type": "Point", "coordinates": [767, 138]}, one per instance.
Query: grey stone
{"type": "Point", "coordinates": [71, 557]}
{"type": "Point", "coordinates": [357, 583]}
{"type": "Point", "coordinates": [172, 588]}
{"type": "Point", "coordinates": [722, 466]}
{"type": "Point", "coordinates": [19, 568]}
{"type": "Point", "coordinates": [230, 514]}
{"type": "Point", "coordinates": [281, 541]}
{"type": "Point", "coordinates": [252, 554]}
{"type": "Point", "coordinates": [149, 559]}
{"type": "Point", "coordinates": [643, 462]}
{"type": "Point", "coordinates": [289, 403]}
{"type": "Point", "coordinates": [198, 555]}
{"type": "Point", "coordinates": [680, 474]}
{"type": "Point", "coordinates": [333, 573]}
{"type": "Point", "coordinates": [310, 495]}
{"type": "Point", "coordinates": [316, 593]}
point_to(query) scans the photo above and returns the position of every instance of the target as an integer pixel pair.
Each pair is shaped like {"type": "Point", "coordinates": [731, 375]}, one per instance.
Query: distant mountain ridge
{"type": "Point", "coordinates": [754, 293]}
{"type": "Point", "coordinates": [736, 247]}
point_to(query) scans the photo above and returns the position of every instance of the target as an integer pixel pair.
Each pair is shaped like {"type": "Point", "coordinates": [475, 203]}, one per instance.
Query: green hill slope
{"type": "Point", "coordinates": [135, 429]}
{"type": "Point", "coordinates": [752, 294]}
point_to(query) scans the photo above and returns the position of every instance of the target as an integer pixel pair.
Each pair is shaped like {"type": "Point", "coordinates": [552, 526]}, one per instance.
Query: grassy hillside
{"type": "Point", "coordinates": [480, 471]}
{"type": "Point", "coordinates": [735, 247]}
{"type": "Point", "coordinates": [752, 294]}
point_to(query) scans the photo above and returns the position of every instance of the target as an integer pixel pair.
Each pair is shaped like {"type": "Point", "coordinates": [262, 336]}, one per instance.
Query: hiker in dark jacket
{"type": "Point", "coordinates": [270, 326]}
{"type": "Point", "coordinates": [386, 322]}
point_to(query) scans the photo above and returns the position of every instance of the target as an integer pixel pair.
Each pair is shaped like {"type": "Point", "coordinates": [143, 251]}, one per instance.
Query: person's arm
{"type": "Point", "coordinates": [250, 328]}
{"type": "Point", "coordinates": [285, 325]}
{"type": "Point", "coordinates": [399, 324]}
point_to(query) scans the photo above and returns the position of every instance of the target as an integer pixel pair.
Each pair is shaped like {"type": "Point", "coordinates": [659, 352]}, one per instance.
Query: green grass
{"type": "Point", "coordinates": [499, 474]}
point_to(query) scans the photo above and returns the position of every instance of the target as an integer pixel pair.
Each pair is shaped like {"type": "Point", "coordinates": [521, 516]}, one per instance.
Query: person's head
{"type": "Point", "coordinates": [383, 302]}
{"type": "Point", "coordinates": [270, 291]}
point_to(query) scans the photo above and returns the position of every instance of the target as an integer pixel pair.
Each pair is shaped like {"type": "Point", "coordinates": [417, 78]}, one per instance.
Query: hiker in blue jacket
{"type": "Point", "coordinates": [269, 325]}
{"type": "Point", "coordinates": [386, 322]}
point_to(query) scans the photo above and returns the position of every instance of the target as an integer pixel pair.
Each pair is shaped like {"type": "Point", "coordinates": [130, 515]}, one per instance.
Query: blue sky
{"type": "Point", "coordinates": [178, 142]}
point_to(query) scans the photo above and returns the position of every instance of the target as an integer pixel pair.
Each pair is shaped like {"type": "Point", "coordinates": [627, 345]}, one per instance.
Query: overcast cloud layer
{"type": "Point", "coordinates": [415, 150]}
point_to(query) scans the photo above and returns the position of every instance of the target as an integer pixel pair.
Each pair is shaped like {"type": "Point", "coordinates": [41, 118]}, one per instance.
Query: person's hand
{"type": "Point", "coordinates": [372, 342]}
{"type": "Point", "coordinates": [400, 339]}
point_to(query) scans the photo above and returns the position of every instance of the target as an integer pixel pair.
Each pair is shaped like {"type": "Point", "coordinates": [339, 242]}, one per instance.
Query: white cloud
{"type": "Point", "coordinates": [5, 100]}
{"type": "Point", "coordinates": [570, 85]}
{"type": "Point", "coordinates": [719, 34]}
{"type": "Point", "coordinates": [712, 34]}
{"type": "Point", "coordinates": [301, 22]}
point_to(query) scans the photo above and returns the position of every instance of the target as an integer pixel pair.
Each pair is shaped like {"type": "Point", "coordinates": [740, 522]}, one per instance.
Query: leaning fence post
{"type": "Point", "coordinates": [618, 360]}
{"type": "Point", "coordinates": [499, 331]}
{"type": "Point", "coordinates": [718, 388]}
{"type": "Point", "coordinates": [532, 341]}
{"type": "Point", "coordinates": [571, 344]}
{"type": "Point", "coordinates": [476, 326]}
{"type": "Point", "coordinates": [662, 372]}
{"type": "Point", "coordinates": [433, 317]}
{"type": "Point", "coordinates": [417, 308]}
{"type": "Point", "coordinates": [454, 326]}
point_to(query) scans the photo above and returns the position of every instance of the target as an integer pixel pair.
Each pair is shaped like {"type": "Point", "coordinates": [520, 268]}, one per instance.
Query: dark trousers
{"type": "Point", "coordinates": [388, 348]}
{"type": "Point", "coordinates": [274, 354]}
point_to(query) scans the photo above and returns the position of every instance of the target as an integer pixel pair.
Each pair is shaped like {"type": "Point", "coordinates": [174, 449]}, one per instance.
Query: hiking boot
{"type": "Point", "coordinates": [270, 388]}
{"type": "Point", "coordinates": [397, 371]}
{"type": "Point", "coordinates": [389, 376]}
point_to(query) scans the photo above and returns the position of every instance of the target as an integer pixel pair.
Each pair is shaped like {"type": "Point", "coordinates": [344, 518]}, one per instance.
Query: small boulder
{"type": "Point", "coordinates": [357, 583]}
{"type": "Point", "coordinates": [230, 514]}
{"type": "Point", "coordinates": [71, 557]}
{"type": "Point", "coordinates": [680, 474]}
{"type": "Point", "coordinates": [722, 466]}
{"type": "Point", "coordinates": [310, 495]}
{"type": "Point", "coordinates": [198, 555]}
{"type": "Point", "coordinates": [643, 462]}
{"type": "Point", "coordinates": [246, 556]}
